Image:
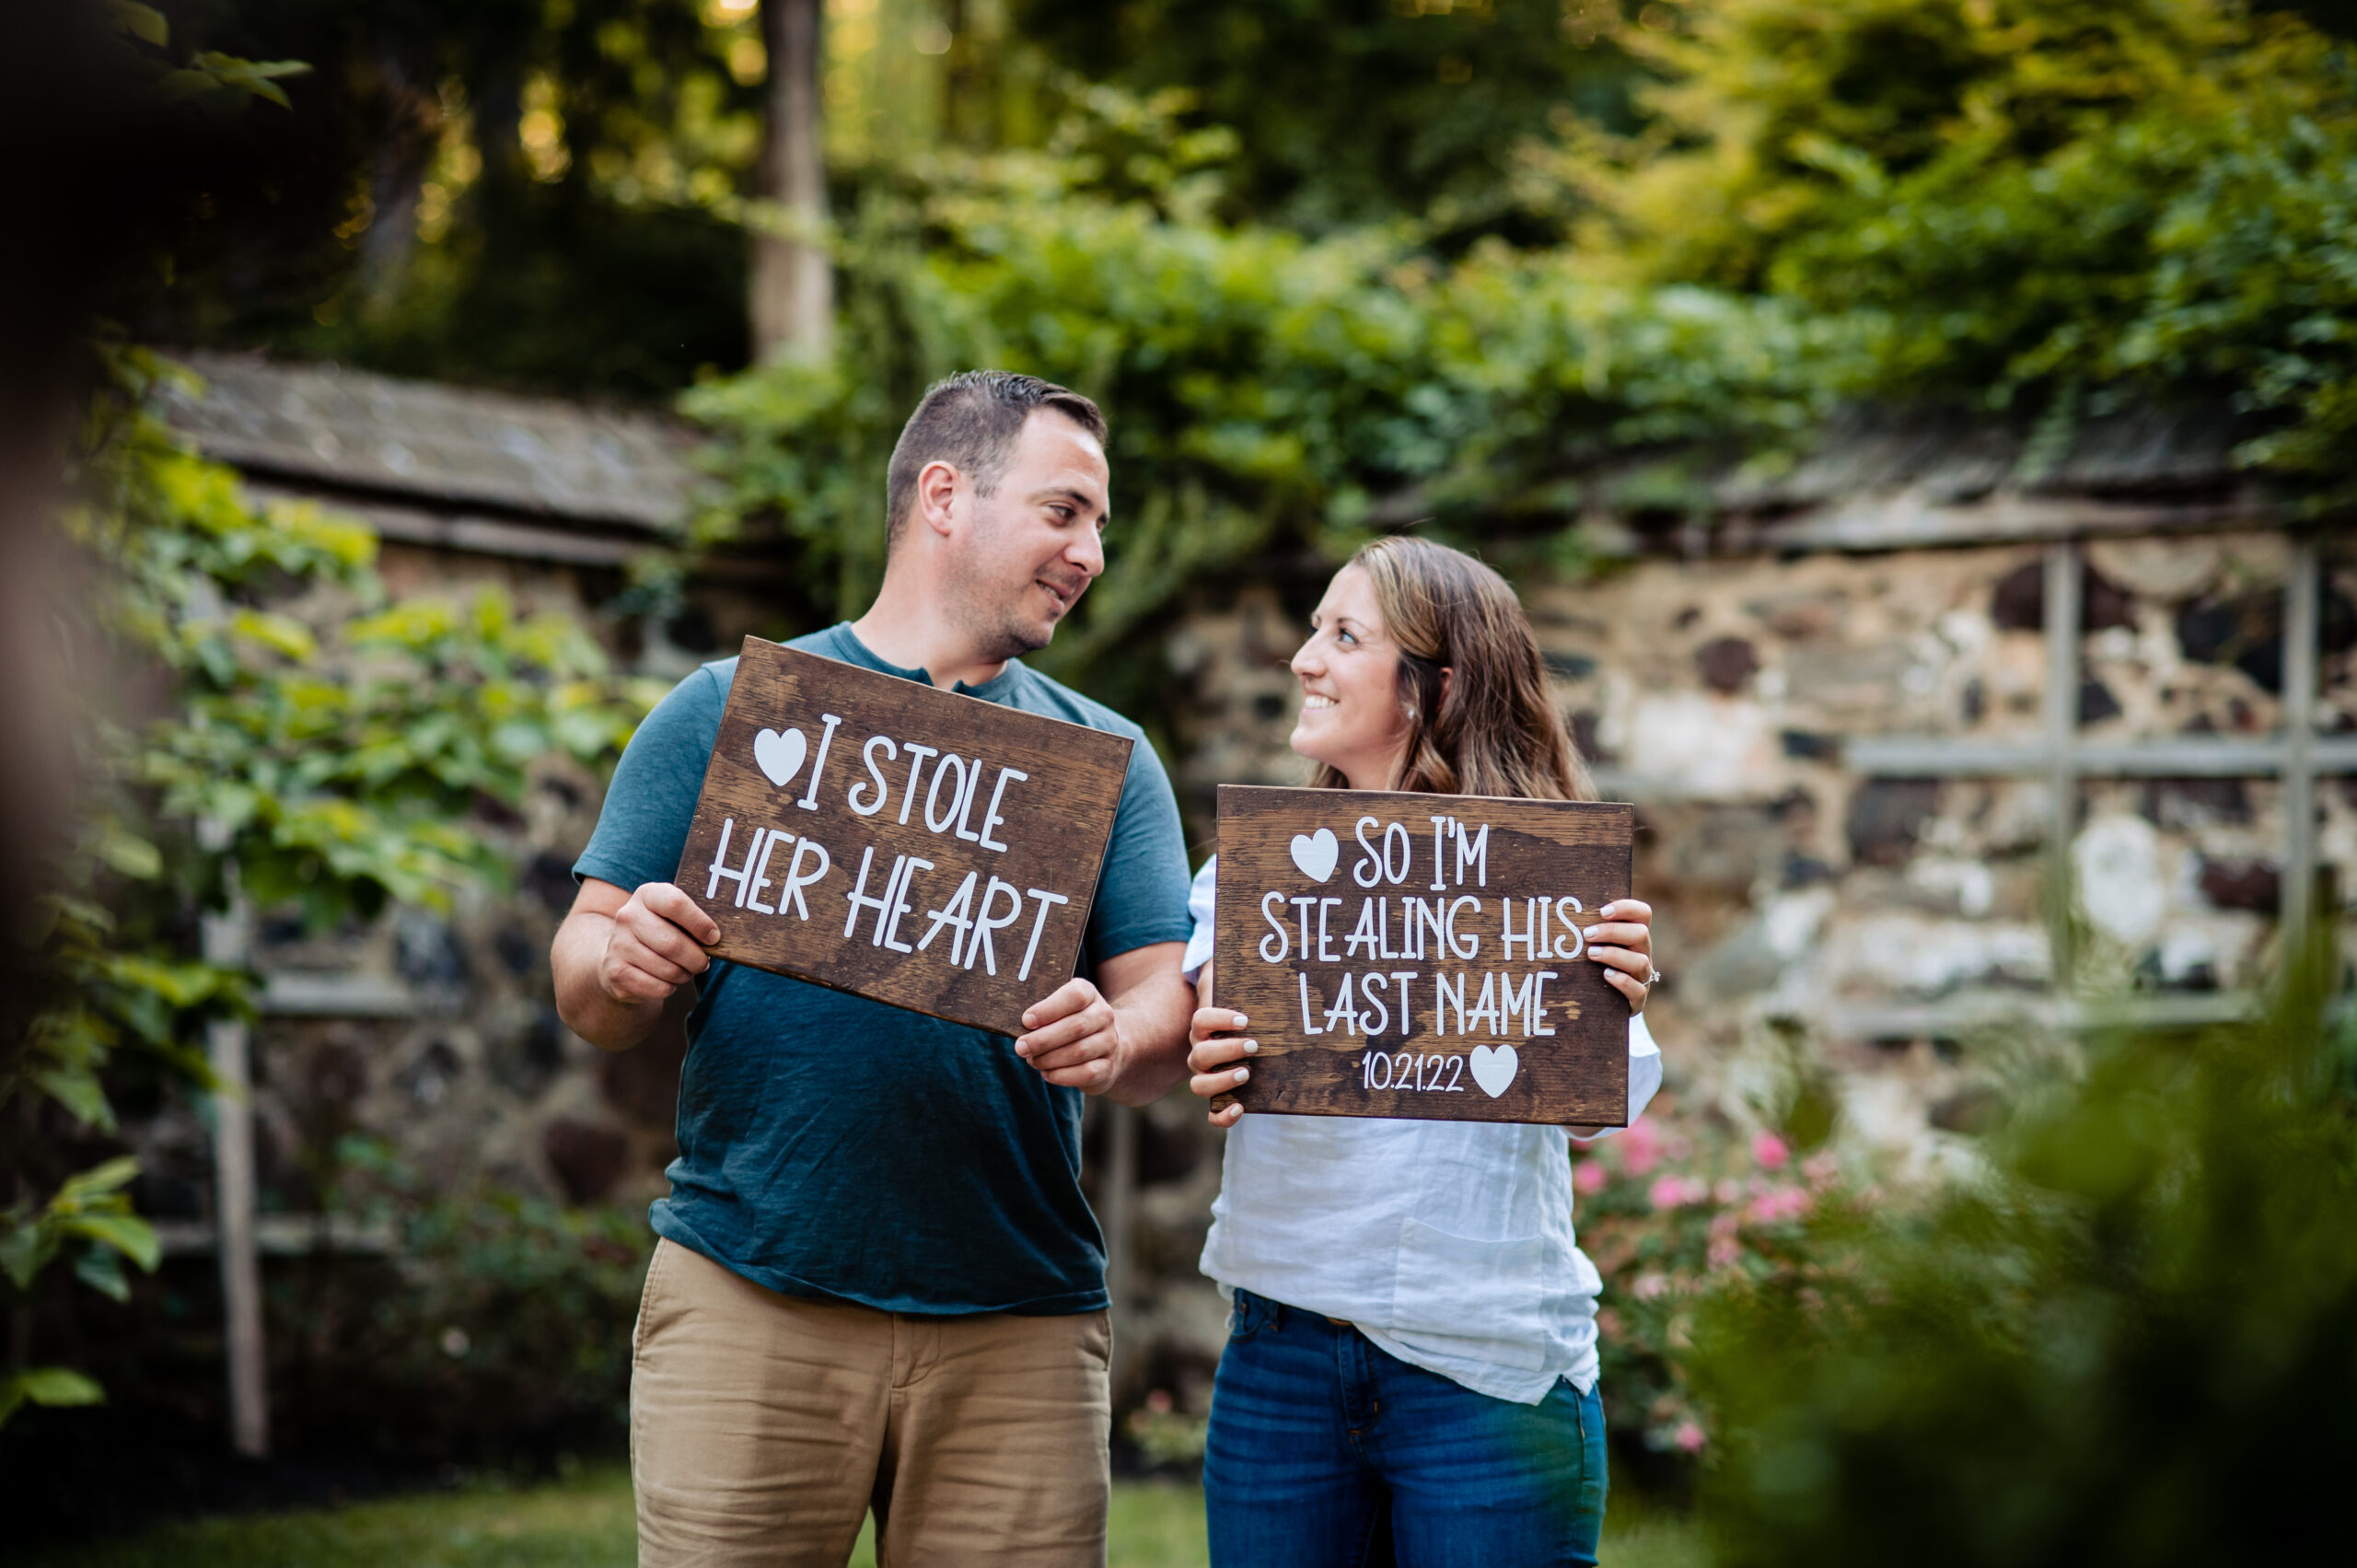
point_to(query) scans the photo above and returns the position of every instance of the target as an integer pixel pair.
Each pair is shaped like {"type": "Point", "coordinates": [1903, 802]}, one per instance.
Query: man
{"type": "Point", "coordinates": [877, 1283]}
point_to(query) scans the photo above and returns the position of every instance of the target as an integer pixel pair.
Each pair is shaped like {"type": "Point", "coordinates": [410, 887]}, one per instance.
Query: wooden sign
{"type": "Point", "coordinates": [905, 843]}
{"type": "Point", "coordinates": [1423, 955]}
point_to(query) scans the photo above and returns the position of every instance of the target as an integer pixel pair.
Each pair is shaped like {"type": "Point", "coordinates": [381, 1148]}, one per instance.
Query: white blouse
{"type": "Point", "coordinates": [1447, 1243]}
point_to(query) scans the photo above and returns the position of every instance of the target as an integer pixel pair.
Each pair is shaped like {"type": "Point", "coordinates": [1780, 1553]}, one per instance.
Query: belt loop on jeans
{"type": "Point", "coordinates": [1252, 1304]}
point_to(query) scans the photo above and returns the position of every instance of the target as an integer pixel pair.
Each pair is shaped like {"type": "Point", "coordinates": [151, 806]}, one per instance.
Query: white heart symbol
{"type": "Point", "coordinates": [1316, 853]}
{"type": "Point", "coordinates": [780, 755]}
{"type": "Point", "coordinates": [1494, 1068]}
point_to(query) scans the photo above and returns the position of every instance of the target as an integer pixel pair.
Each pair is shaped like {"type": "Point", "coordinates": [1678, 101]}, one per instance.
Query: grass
{"type": "Point", "coordinates": [587, 1523]}
{"type": "Point", "coordinates": [1639, 1535]}
{"type": "Point", "coordinates": [583, 1522]}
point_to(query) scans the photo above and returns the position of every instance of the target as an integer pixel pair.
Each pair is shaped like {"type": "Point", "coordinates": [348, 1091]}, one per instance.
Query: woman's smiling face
{"type": "Point", "coordinates": [1350, 718]}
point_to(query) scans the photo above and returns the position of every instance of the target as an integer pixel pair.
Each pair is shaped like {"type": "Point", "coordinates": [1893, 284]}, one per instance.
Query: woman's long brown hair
{"type": "Point", "coordinates": [1491, 727]}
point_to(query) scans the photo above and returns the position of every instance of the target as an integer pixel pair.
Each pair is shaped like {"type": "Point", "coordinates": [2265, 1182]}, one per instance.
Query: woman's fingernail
{"type": "Point", "coordinates": [1240, 1021]}
{"type": "Point", "coordinates": [1250, 1046]}
{"type": "Point", "coordinates": [1242, 1074]}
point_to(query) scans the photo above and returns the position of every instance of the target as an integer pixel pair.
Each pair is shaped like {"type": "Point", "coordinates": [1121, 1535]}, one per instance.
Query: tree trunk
{"type": "Point", "coordinates": [793, 283]}
{"type": "Point", "coordinates": [961, 115]}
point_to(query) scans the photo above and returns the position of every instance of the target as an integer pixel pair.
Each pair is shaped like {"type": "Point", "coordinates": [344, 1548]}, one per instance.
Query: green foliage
{"type": "Point", "coordinates": [508, 1315]}
{"type": "Point", "coordinates": [90, 1219]}
{"type": "Point", "coordinates": [2128, 1342]}
{"type": "Point", "coordinates": [2060, 205]}
{"type": "Point", "coordinates": [468, 183]}
{"type": "Point", "coordinates": [334, 743]}
{"type": "Point", "coordinates": [1264, 389]}
{"type": "Point", "coordinates": [90, 1208]}
{"type": "Point", "coordinates": [317, 748]}
{"type": "Point", "coordinates": [2051, 207]}
{"type": "Point", "coordinates": [475, 180]}
{"type": "Point", "coordinates": [1350, 113]}
{"type": "Point", "coordinates": [221, 84]}
{"type": "Point", "coordinates": [52, 1386]}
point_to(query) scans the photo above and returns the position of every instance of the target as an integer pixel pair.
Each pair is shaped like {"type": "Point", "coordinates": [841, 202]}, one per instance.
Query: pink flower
{"type": "Point", "coordinates": [1674, 1191]}
{"type": "Point", "coordinates": [1648, 1286]}
{"type": "Point", "coordinates": [1666, 1192]}
{"type": "Point", "coordinates": [1723, 1251]}
{"type": "Point", "coordinates": [1641, 1148]}
{"type": "Point", "coordinates": [1727, 1191]}
{"type": "Point", "coordinates": [1821, 1167]}
{"type": "Point", "coordinates": [1778, 1205]}
{"type": "Point", "coordinates": [1770, 1151]}
{"type": "Point", "coordinates": [1589, 1177]}
{"type": "Point", "coordinates": [1689, 1436]}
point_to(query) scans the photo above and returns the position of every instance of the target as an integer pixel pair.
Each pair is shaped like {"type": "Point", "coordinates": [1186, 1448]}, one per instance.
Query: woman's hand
{"type": "Point", "coordinates": [1216, 1053]}
{"type": "Point", "coordinates": [1623, 943]}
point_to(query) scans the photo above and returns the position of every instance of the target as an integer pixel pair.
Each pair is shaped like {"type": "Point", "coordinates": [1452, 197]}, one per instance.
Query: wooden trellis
{"type": "Point", "coordinates": [2297, 756]}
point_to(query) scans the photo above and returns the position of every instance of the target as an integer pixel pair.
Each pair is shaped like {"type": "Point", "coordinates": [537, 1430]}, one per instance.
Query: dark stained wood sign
{"type": "Point", "coordinates": [1422, 956]}
{"type": "Point", "coordinates": [909, 844]}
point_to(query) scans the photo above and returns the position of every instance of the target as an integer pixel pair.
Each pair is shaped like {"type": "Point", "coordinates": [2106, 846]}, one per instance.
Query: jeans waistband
{"type": "Point", "coordinates": [1251, 1305]}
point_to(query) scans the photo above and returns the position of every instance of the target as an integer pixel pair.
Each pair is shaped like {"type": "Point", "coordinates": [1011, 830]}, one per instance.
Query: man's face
{"type": "Point", "coordinates": [1032, 546]}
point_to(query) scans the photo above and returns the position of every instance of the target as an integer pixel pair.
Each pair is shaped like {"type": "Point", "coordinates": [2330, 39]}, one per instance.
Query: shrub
{"type": "Point", "coordinates": [2054, 206]}
{"type": "Point", "coordinates": [506, 1319]}
{"type": "Point", "coordinates": [1671, 1211]}
{"type": "Point", "coordinates": [2129, 1342]}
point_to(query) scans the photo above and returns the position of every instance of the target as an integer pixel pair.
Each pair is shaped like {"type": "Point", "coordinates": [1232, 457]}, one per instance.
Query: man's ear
{"type": "Point", "coordinates": [938, 483]}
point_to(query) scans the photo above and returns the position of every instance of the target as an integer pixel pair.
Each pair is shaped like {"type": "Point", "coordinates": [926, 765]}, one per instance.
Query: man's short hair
{"type": "Point", "coordinates": [970, 421]}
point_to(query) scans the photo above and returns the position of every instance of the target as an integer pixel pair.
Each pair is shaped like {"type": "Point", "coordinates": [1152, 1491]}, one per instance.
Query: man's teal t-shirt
{"type": "Point", "coordinates": [834, 1147]}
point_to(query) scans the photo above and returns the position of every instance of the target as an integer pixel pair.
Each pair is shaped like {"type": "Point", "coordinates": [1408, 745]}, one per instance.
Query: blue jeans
{"type": "Point", "coordinates": [1327, 1452]}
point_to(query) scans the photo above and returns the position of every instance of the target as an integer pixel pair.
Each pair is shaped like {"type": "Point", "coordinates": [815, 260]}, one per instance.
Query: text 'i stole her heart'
{"type": "Point", "coordinates": [970, 913]}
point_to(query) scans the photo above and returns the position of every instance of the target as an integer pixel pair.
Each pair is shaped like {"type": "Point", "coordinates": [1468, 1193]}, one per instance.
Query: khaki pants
{"type": "Point", "coordinates": [763, 1427]}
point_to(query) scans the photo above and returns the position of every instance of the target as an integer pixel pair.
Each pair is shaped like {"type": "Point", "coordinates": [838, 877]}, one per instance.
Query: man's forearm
{"type": "Point", "coordinates": [606, 1021]}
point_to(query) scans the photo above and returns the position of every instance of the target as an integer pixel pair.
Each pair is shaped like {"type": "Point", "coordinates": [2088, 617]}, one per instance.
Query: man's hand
{"type": "Point", "coordinates": [622, 959]}
{"type": "Point", "coordinates": [655, 943]}
{"type": "Point", "coordinates": [1074, 1039]}
{"type": "Point", "coordinates": [1125, 1041]}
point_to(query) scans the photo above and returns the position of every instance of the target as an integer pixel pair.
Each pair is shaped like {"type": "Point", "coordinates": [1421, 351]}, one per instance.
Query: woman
{"type": "Point", "coordinates": [1411, 1369]}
